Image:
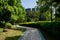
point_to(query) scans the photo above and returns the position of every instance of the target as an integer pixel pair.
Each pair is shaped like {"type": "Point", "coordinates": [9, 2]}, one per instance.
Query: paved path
{"type": "Point", "coordinates": [32, 34]}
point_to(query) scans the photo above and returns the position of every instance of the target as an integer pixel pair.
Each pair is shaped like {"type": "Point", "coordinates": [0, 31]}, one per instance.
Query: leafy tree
{"type": "Point", "coordinates": [44, 10]}
{"type": "Point", "coordinates": [28, 15]}
{"type": "Point", "coordinates": [35, 15]}
{"type": "Point", "coordinates": [11, 11]}
{"type": "Point", "coordinates": [32, 15]}
{"type": "Point", "coordinates": [45, 5]}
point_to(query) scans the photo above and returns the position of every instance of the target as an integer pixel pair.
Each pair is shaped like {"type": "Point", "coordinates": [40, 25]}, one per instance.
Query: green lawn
{"type": "Point", "coordinates": [1, 29]}
{"type": "Point", "coordinates": [10, 34]}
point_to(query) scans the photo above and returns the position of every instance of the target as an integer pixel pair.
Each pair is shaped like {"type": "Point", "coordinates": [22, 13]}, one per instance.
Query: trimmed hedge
{"type": "Point", "coordinates": [52, 28]}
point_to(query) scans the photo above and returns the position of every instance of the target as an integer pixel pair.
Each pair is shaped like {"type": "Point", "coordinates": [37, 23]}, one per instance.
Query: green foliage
{"type": "Point", "coordinates": [45, 11]}
{"type": "Point", "coordinates": [45, 6]}
{"type": "Point", "coordinates": [35, 16]}
{"type": "Point", "coordinates": [2, 25]}
{"type": "Point", "coordinates": [5, 14]}
{"type": "Point", "coordinates": [47, 15]}
{"type": "Point", "coordinates": [8, 25]}
{"type": "Point", "coordinates": [11, 11]}
{"type": "Point", "coordinates": [32, 15]}
{"type": "Point", "coordinates": [57, 19]}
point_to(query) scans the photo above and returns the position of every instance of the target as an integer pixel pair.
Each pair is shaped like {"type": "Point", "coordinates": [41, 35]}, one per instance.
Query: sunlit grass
{"type": "Point", "coordinates": [13, 34]}
{"type": "Point", "coordinates": [1, 29]}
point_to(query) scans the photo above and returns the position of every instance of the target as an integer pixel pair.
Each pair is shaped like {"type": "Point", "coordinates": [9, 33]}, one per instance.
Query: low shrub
{"type": "Point", "coordinates": [8, 25]}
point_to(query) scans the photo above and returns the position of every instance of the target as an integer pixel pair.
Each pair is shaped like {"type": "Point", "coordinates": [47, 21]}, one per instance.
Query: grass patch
{"type": "Point", "coordinates": [10, 34]}
{"type": "Point", "coordinates": [1, 30]}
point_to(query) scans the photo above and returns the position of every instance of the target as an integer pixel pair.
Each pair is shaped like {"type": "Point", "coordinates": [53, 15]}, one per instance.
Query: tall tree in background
{"type": "Point", "coordinates": [32, 15]}
{"type": "Point", "coordinates": [45, 5]}
{"type": "Point", "coordinates": [56, 4]}
{"type": "Point", "coordinates": [45, 12]}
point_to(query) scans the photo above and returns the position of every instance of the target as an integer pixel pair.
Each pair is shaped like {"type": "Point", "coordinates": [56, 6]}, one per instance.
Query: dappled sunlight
{"type": "Point", "coordinates": [10, 33]}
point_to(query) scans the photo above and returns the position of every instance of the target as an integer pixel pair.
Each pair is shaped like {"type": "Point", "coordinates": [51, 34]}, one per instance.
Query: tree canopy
{"type": "Point", "coordinates": [11, 10]}
{"type": "Point", "coordinates": [46, 5]}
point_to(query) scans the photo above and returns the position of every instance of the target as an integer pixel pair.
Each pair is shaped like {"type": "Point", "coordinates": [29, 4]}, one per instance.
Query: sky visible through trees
{"type": "Point", "coordinates": [29, 3]}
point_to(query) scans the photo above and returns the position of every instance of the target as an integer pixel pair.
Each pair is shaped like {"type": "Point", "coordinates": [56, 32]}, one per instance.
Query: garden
{"type": "Point", "coordinates": [46, 18]}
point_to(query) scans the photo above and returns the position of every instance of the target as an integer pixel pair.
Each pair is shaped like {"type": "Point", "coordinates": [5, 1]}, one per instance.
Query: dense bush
{"type": "Point", "coordinates": [8, 25]}
{"type": "Point", "coordinates": [52, 28]}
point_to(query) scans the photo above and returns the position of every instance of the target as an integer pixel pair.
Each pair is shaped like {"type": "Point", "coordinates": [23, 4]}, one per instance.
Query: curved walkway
{"type": "Point", "coordinates": [32, 34]}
